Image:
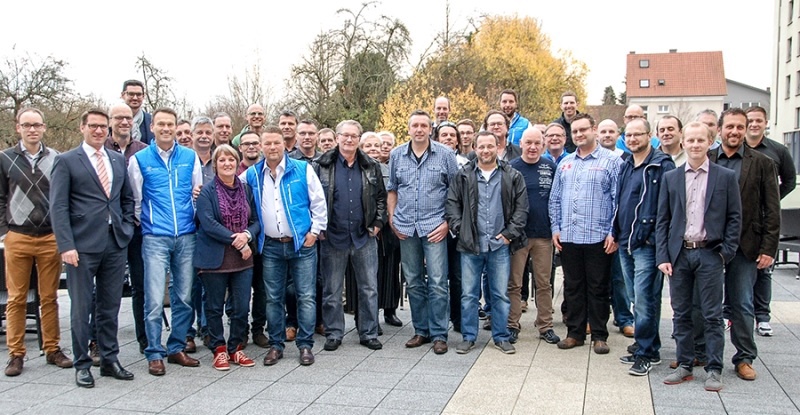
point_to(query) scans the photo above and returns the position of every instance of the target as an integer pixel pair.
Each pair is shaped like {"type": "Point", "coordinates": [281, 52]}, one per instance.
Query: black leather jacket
{"type": "Point", "coordinates": [462, 207]}
{"type": "Point", "coordinates": [373, 192]}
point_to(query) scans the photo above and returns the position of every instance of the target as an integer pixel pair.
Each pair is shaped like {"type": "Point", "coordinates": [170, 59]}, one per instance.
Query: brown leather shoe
{"type": "Point", "coordinates": [306, 357]}
{"type": "Point", "coordinates": [440, 347]}
{"type": "Point", "coordinates": [14, 367]}
{"type": "Point", "coordinates": [745, 371]}
{"type": "Point", "coordinates": [94, 353]}
{"type": "Point", "coordinates": [320, 329]}
{"type": "Point", "coordinates": [417, 341]}
{"type": "Point", "coordinates": [674, 364]}
{"type": "Point", "coordinates": [601, 347]}
{"type": "Point", "coordinates": [156, 367]}
{"type": "Point", "coordinates": [291, 334]}
{"type": "Point", "coordinates": [191, 346]}
{"type": "Point", "coordinates": [183, 359]}
{"type": "Point", "coordinates": [627, 331]}
{"type": "Point", "coordinates": [273, 355]}
{"type": "Point", "coordinates": [260, 339]}
{"type": "Point", "coordinates": [588, 329]}
{"type": "Point", "coordinates": [569, 343]}
{"type": "Point", "coordinates": [59, 359]}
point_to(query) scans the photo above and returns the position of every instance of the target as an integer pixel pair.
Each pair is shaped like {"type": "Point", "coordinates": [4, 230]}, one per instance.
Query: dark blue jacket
{"type": "Point", "coordinates": [147, 135]}
{"type": "Point", "coordinates": [212, 236]}
{"type": "Point", "coordinates": [645, 210]}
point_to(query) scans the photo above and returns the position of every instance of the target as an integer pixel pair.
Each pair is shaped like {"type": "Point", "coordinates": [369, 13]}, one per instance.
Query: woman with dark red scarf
{"type": "Point", "coordinates": [224, 255]}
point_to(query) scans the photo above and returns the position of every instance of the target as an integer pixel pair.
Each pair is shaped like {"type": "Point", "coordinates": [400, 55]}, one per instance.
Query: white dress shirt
{"type": "Point", "coordinates": [275, 223]}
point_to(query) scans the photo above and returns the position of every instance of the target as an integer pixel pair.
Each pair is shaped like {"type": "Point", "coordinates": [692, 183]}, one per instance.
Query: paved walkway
{"type": "Point", "coordinates": [354, 380]}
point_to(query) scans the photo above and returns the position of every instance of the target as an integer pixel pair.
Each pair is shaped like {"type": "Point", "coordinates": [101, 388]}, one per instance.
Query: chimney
{"type": "Point", "coordinates": [633, 52]}
{"type": "Point", "coordinates": [673, 51]}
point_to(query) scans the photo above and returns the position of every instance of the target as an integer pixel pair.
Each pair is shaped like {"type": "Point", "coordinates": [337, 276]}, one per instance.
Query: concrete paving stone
{"type": "Point", "coordinates": [327, 361]}
{"type": "Point", "coordinates": [236, 388]}
{"type": "Point", "coordinates": [147, 400]}
{"type": "Point", "coordinates": [91, 397]}
{"type": "Point", "coordinates": [387, 411]}
{"type": "Point", "coordinates": [686, 410]}
{"type": "Point", "coordinates": [261, 407]}
{"type": "Point", "coordinates": [440, 367]}
{"type": "Point", "coordinates": [56, 408]}
{"type": "Point", "coordinates": [265, 373]}
{"type": "Point", "coordinates": [15, 406]}
{"type": "Point", "coordinates": [376, 363]}
{"type": "Point", "coordinates": [206, 402]}
{"type": "Point", "coordinates": [353, 396]}
{"type": "Point", "coordinates": [373, 379]}
{"type": "Point", "coordinates": [292, 392]}
{"type": "Point", "coordinates": [35, 393]}
{"type": "Point", "coordinates": [107, 411]}
{"type": "Point", "coordinates": [327, 409]}
{"type": "Point", "coordinates": [309, 375]}
{"type": "Point", "coordinates": [415, 400]}
{"type": "Point", "coordinates": [4, 386]}
{"type": "Point", "coordinates": [744, 404]}
{"type": "Point", "coordinates": [432, 383]}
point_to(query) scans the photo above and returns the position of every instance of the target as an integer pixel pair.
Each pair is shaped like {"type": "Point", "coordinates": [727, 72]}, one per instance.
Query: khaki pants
{"type": "Point", "coordinates": [20, 252]}
{"type": "Point", "coordinates": [541, 252]}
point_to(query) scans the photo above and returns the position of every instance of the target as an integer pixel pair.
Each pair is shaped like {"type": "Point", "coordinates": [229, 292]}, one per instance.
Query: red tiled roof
{"type": "Point", "coordinates": [684, 74]}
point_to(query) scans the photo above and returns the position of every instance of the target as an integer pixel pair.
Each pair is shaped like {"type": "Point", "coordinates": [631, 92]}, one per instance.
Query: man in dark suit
{"type": "Point", "coordinates": [92, 211]}
{"type": "Point", "coordinates": [697, 232]}
{"type": "Point", "coordinates": [761, 224]}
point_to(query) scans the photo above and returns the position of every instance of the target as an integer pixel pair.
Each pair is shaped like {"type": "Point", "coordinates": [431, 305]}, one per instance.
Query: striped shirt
{"type": "Point", "coordinates": [583, 196]}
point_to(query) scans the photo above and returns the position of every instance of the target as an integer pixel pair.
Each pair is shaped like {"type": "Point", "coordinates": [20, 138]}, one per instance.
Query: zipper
{"type": "Point", "coordinates": [636, 209]}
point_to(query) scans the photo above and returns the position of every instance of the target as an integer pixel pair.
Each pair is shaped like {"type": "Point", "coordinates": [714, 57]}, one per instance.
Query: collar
{"type": "Point", "coordinates": [281, 166]}
{"type": "Point", "coordinates": [90, 151]}
{"type": "Point", "coordinates": [703, 167]}
{"type": "Point", "coordinates": [410, 151]}
{"type": "Point", "coordinates": [740, 152]}
{"type": "Point", "coordinates": [25, 150]}
{"type": "Point", "coordinates": [165, 152]}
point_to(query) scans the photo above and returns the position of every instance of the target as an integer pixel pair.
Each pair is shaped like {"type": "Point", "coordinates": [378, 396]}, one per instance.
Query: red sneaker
{"type": "Point", "coordinates": [221, 358]}
{"type": "Point", "coordinates": [241, 359]}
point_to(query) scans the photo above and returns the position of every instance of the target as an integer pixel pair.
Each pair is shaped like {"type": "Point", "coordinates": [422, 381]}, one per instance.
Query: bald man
{"type": "Point", "coordinates": [634, 112]}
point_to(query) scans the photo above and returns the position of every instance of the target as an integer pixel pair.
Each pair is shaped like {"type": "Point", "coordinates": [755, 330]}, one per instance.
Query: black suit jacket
{"type": "Point", "coordinates": [722, 219]}
{"type": "Point", "coordinates": [80, 208]}
{"type": "Point", "coordinates": [761, 204]}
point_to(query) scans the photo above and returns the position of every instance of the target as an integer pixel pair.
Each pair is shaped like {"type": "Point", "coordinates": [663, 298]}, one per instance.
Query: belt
{"type": "Point", "coordinates": [283, 240]}
{"type": "Point", "coordinates": [694, 245]}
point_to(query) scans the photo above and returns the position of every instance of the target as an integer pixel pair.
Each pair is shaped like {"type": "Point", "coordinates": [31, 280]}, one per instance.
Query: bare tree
{"type": "Point", "coordinates": [243, 91]}
{"type": "Point", "coordinates": [157, 85]}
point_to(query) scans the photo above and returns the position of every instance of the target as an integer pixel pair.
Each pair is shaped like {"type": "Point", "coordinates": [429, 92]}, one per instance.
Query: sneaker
{"type": "Point", "coordinates": [631, 359]}
{"type": "Point", "coordinates": [550, 337]}
{"type": "Point", "coordinates": [481, 314]}
{"type": "Point", "coordinates": [514, 335]}
{"type": "Point", "coordinates": [487, 324]}
{"type": "Point", "coordinates": [641, 367]}
{"type": "Point", "coordinates": [241, 359]}
{"type": "Point", "coordinates": [714, 381]}
{"type": "Point", "coordinates": [764, 329]}
{"type": "Point", "coordinates": [505, 347]}
{"type": "Point", "coordinates": [680, 375]}
{"type": "Point", "coordinates": [221, 358]}
{"type": "Point", "coordinates": [464, 347]}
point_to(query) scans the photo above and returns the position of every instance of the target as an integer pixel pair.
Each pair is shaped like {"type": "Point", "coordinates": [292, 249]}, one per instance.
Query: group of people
{"type": "Point", "coordinates": [278, 220]}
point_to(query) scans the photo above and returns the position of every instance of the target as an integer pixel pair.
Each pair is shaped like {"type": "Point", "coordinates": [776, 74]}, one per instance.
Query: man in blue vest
{"type": "Point", "coordinates": [133, 94]}
{"type": "Point", "coordinates": [509, 104]}
{"type": "Point", "coordinates": [163, 177]}
{"type": "Point", "coordinates": [292, 212]}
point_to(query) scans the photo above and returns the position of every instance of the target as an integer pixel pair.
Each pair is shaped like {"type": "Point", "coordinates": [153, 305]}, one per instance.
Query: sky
{"type": "Point", "coordinates": [201, 46]}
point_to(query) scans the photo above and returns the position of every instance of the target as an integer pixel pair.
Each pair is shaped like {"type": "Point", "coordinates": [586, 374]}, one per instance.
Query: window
{"type": "Point", "coordinates": [644, 63]}
{"type": "Point", "coordinates": [791, 10]}
{"type": "Point", "coordinates": [644, 110]}
{"type": "Point", "coordinates": [725, 106]}
{"type": "Point", "coordinates": [797, 118]}
{"type": "Point", "coordinates": [644, 83]}
{"type": "Point", "coordinates": [789, 50]}
{"type": "Point", "coordinates": [798, 44]}
{"type": "Point", "coordinates": [797, 92]}
{"type": "Point", "coordinates": [746, 105]}
{"type": "Point", "coordinates": [663, 109]}
{"type": "Point", "coordinates": [788, 85]}
{"type": "Point", "coordinates": [661, 82]}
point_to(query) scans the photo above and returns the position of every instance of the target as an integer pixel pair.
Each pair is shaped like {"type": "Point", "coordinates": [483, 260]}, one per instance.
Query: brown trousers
{"type": "Point", "coordinates": [541, 252]}
{"type": "Point", "coordinates": [20, 252]}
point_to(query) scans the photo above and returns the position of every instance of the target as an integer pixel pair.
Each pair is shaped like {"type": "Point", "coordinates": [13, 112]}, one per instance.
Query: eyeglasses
{"type": "Point", "coordinates": [249, 144]}
{"type": "Point", "coordinates": [549, 136]}
{"type": "Point", "coordinates": [256, 114]}
{"type": "Point", "coordinates": [122, 118]}
{"type": "Point", "coordinates": [496, 124]}
{"type": "Point", "coordinates": [27, 126]}
{"type": "Point", "coordinates": [635, 135]}
{"type": "Point", "coordinates": [96, 126]}
{"type": "Point", "coordinates": [135, 94]}
{"type": "Point", "coordinates": [350, 136]}
{"type": "Point", "coordinates": [580, 130]}
{"type": "Point", "coordinates": [306, 133]}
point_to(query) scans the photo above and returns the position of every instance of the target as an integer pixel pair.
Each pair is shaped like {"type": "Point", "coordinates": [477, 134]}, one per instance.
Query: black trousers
{"type": "Point", "coordinates": [104, 271]}
{"type": "Point", "coordinates": [587, 275]}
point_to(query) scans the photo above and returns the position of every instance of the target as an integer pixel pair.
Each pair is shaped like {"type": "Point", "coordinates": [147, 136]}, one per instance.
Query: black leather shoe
{"type": "Point", "coordinates": [116, 371]}
{"type": "Point", "coordinates": [380, 330]}
{"type": "Point", "coordinates": [84, 378]}
{"type": "Point", "coordinates": [332, 344]}
{"type": "Point", "coordinates": [373, 344]}
{"type": "Point", "coordinates": [392, 320]}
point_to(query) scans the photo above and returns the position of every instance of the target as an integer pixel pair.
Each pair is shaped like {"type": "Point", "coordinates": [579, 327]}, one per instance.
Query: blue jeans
{"type": "Point", "coordinates": [740, 277]}
{"type": "Point", "coordinates": [498, 268]}
{"type": "Point", "coordinates": [704, 268]}
{"type": "Point", "coordinates": [280, 259]}
{"type": "Point", "coordinates": [159, 254]}
{"type": "Point", "coordinates": [428, 298]}
{"type": "Point", "coordinates": [641, 274]}
{"type": "Point", "coordinates": [217, 285]}
{"type": "Point", "coordinates": [621, 293]}
{"type": "Point", "coordinates": [198, 309]}
{"type": "Point", "coordinates": [365, 270]}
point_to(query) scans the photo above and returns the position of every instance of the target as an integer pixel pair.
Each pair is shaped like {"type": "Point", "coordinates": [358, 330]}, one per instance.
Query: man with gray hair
{"type": "Point", "coordinates": [356, 201]}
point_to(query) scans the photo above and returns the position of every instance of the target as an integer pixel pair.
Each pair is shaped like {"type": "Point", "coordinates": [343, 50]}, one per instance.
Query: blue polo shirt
{"type": "Point", "coordinates": [347, 216]}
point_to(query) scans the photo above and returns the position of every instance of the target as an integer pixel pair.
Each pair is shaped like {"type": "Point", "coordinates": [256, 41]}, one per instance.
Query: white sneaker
{"type": "Point", "coordinates": [764, 329]}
